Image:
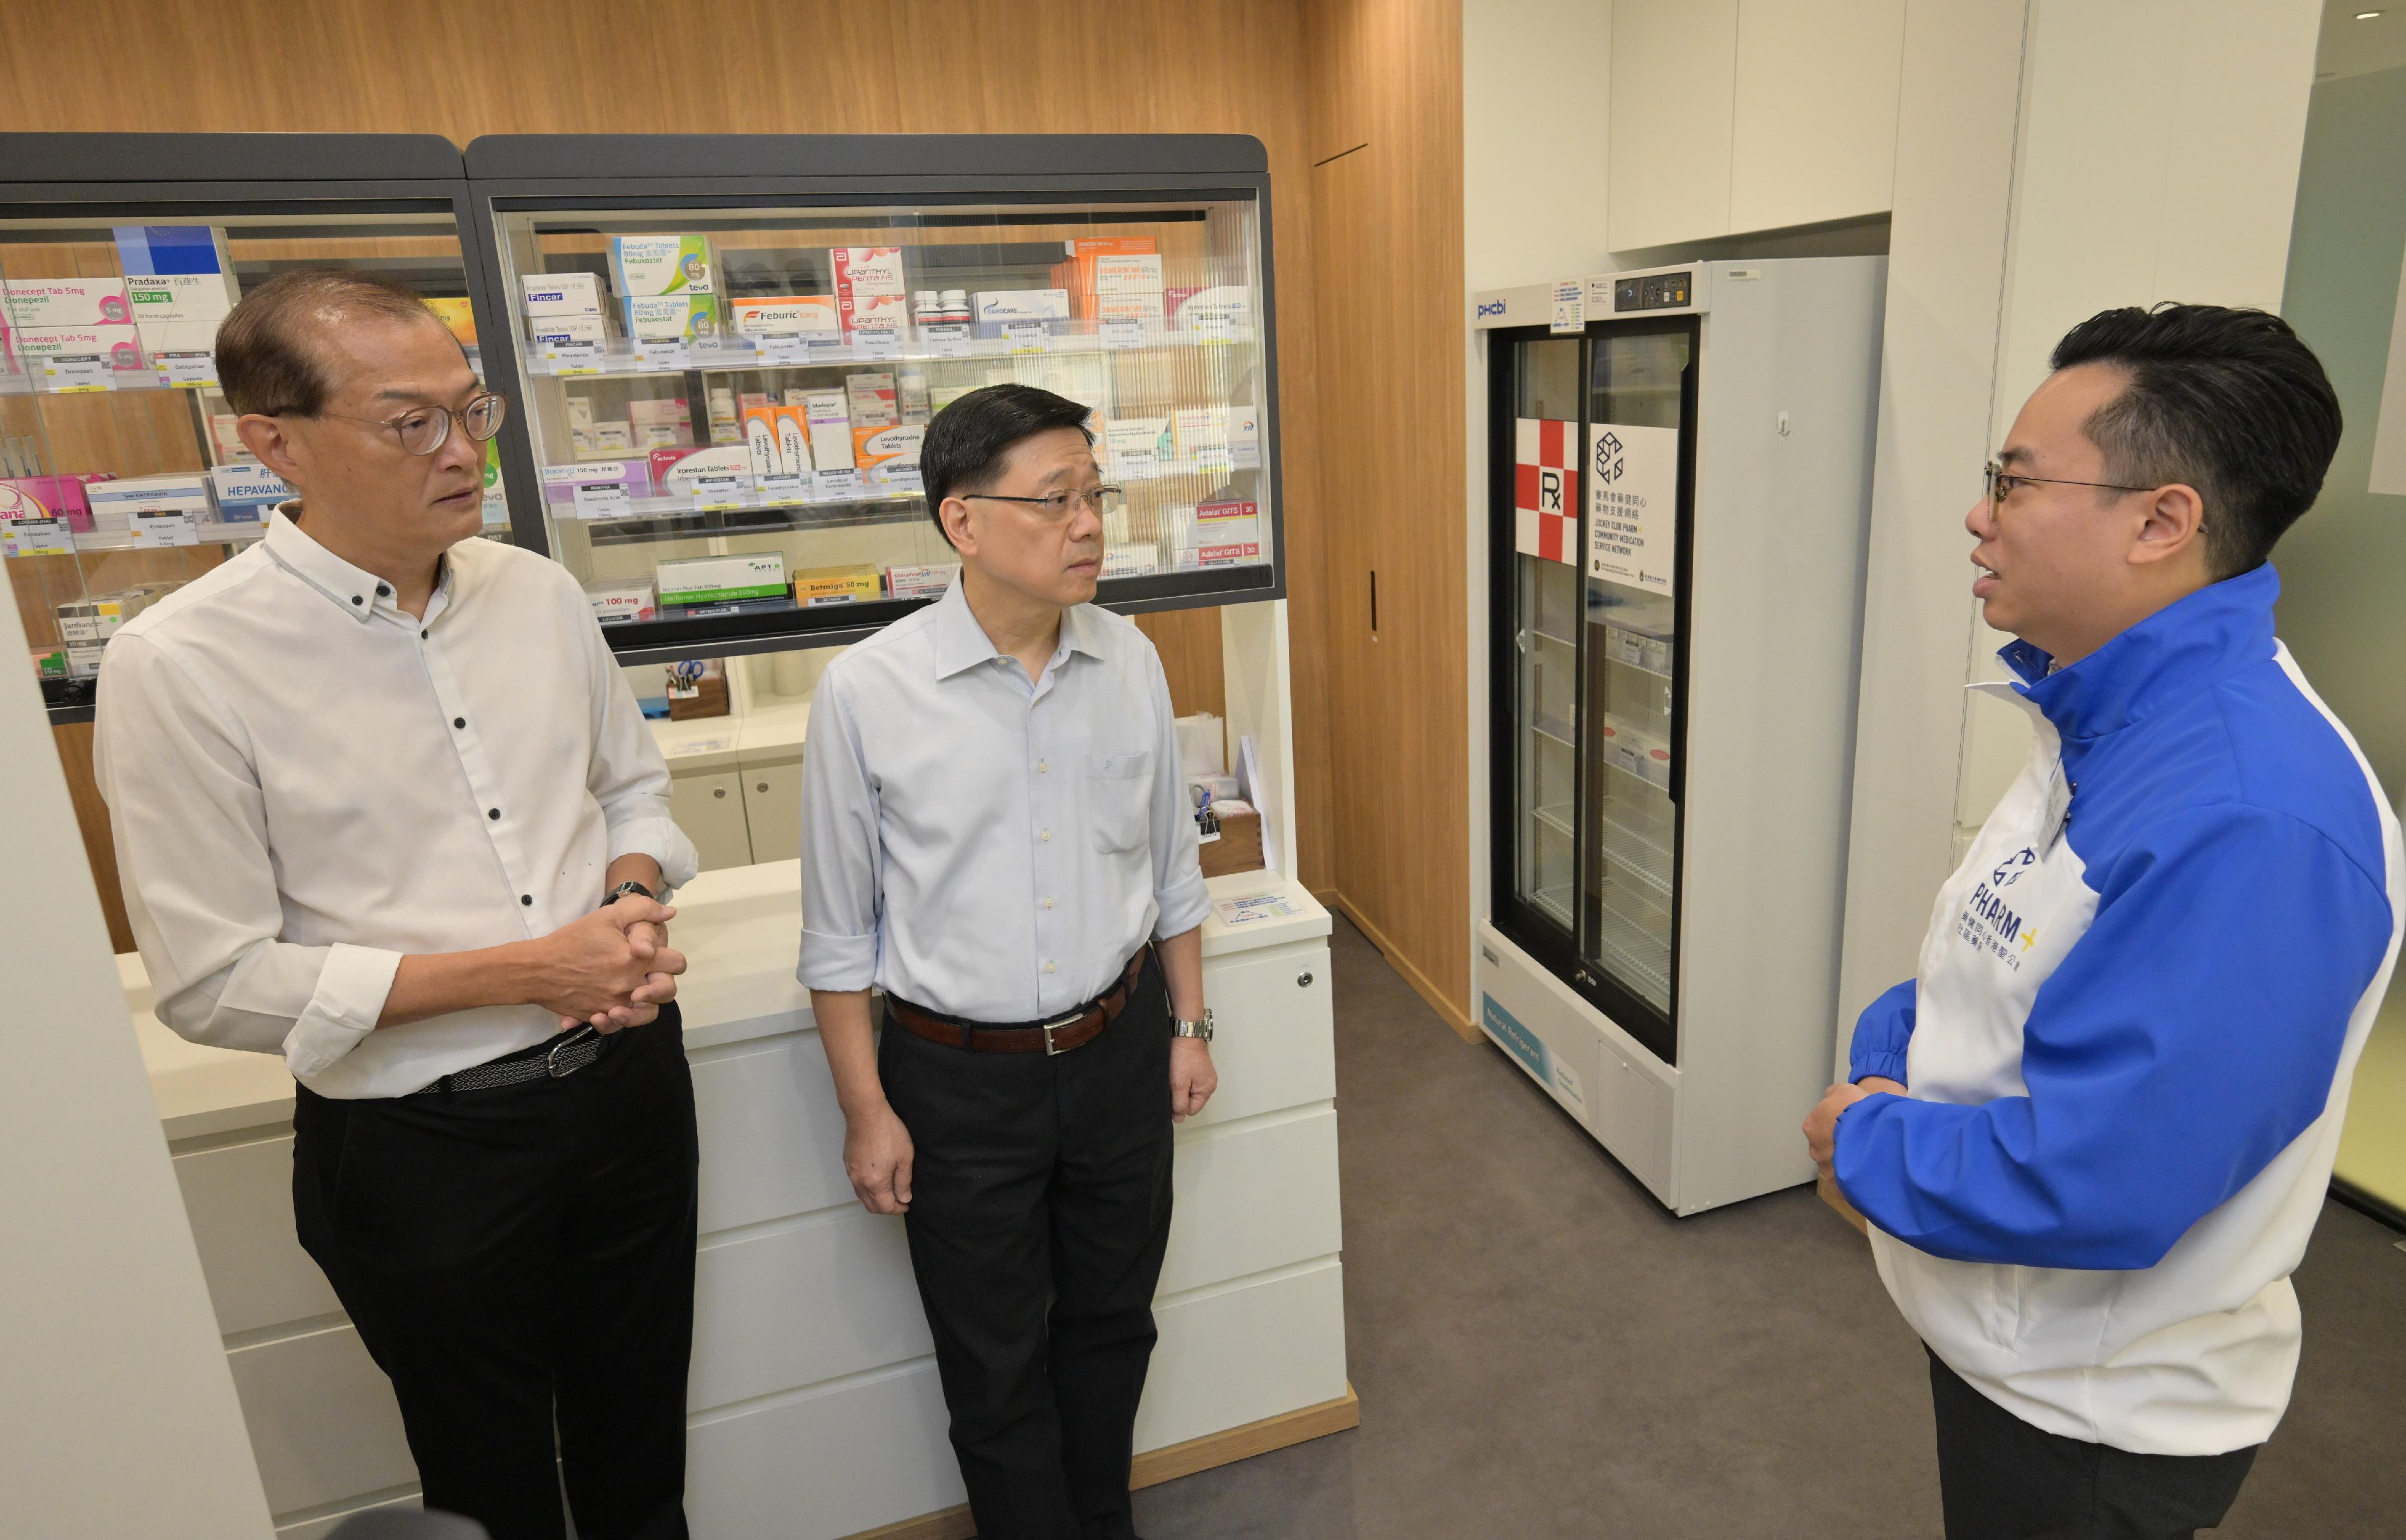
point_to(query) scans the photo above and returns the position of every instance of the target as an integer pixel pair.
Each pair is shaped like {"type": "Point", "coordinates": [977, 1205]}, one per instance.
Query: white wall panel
{"type": "Point", "coordinates": [1673, 76]}
{"type": "Point", "coordinates": [1813, 135]}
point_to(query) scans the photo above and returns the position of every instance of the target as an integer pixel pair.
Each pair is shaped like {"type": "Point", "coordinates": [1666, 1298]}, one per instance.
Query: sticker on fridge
{"type": "Point", "coordinates": [1545, 523]}
{"type": "Point", "coordinates": [1633, 505]}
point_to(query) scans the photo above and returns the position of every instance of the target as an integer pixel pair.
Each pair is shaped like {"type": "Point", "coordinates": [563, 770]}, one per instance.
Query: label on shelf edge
{"type": "Point", "coordinates": [879, 345]}
{"type": "Point", "coordinates": [899, 478]}
{"type": "Point", "coordinates": [782, 352]}
{"type": "Point", "coordinates": [663, 356]}
{"type": "Point", "coordinates": [947, 341]}
{"type": "Point", "coordinates": [573, 357]}
{"type": "Point", "coordinates": [186, 370]}
{"type": "Point", "coordinates": [68, 376]}
{"type": "Point", "coordinates": [1215, 329]}
{"type": "Point", "coordinates": [1025, 336]}
{"type": "Point", "coordinates": [602, 499]}
{"type": "Point", "coordinates": [1118, 335]}
{"type": "Point", "coordinates": [840, 484]}
{"type": "Point", "coordinates": [37, 537]}
{"type": "Point", "coordinates": [713, 493]}
{"type": "Point", "coordinates": [780, 489]}
{"type": "Point", "coordinates": [160, 527]}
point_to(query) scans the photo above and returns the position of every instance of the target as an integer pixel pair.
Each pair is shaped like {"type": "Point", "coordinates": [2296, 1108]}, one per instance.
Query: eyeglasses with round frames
{"type": "Point", "coordinates": [2003, 482]}
{"type": "Point", "coordinates": [423, 430]}
{"type": "Point", "coordinates": [1104, 500]}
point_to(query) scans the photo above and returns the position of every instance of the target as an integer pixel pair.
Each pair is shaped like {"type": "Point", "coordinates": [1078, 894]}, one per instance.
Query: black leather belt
{"type": "Point", "coordinates": [1073, 1029]}
{"type": "Point", "coordinates": [555, 1060]}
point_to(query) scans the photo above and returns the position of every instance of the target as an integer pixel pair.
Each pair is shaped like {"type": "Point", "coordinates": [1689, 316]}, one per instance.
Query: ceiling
{"type": "Point", "coordinates": [2350, 47]}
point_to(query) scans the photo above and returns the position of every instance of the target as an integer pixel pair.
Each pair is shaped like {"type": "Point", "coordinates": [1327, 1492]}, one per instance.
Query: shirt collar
{"type": "Point", "coordinates": [354, 590]}
{"type": "Point", "coordinates": [962, 644]}
{"type": "Point", "coordinates": [2188, 645]}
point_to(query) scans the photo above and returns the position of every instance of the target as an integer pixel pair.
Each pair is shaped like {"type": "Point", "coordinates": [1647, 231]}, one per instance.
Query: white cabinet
{"type": "Point", "coordinates": [709, 809]}
{"type": "Point", "coordinates": [1814, 133]}
{"type": "Point", "coordinates": [1735, 116]}
{"type": "Point", "coordinates": [1673, 72]}
{"type": "Point", "coordinates": [773, 805]}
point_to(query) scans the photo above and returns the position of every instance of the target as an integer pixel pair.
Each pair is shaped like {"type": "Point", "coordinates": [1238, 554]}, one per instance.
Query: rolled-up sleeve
{"type": "Point", "coordinates": [625, 774]}
{"type": "Point", "coordinates": [841, 897]}
{"type": "Point", "coordinates": [191, 826]}
{"type": "Point", "coordinates": [1177, 860]}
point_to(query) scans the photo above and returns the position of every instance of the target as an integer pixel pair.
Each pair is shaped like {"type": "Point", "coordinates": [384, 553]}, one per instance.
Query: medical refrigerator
{"type": "Point", "coordinates": [1678, 493]}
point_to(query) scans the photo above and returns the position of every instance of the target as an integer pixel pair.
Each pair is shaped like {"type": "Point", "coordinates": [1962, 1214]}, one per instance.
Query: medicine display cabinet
{"type": "Point", "coordinates": [121, 475]}
{"type": "Point", "coordinates": [726, 352]}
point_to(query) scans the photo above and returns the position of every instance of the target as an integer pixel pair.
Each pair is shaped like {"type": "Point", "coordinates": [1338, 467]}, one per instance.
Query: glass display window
{"type": "Point", "coordinates": [726, 394]}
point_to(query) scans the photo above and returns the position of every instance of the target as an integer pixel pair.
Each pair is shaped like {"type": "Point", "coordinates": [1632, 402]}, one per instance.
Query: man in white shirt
{"type": "Point", "coordinates": [995, 832]}
{"type": "Point", "coordinates": [384, 805]}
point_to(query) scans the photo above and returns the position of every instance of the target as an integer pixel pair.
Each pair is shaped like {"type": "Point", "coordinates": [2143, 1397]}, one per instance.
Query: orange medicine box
{"type": "Point", "coordinates": [837, 584]}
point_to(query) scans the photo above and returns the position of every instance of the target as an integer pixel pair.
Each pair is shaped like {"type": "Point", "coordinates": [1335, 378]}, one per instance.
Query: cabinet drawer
{"type": "Point", "coordinates": [1252, 1199]}
{"type": "Point", "coordinates": [772, 1133]}
{"type": "Point", "coordinates": [773, 805]}
{"type": "Point", "coordinates": [710, 810]}
{"type": "Point", "coordinates": [1274, 1040]}
{"type": "Point", "coordinates": [239, 1199]}
{"type": "Point", "coordinates": [324, 1424]}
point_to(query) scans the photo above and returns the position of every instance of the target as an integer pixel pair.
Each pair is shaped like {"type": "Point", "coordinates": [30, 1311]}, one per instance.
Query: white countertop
{"type": "Point", "coordinates": [738, 928]}
{"type": "Point", "coordinates": [770, 733]}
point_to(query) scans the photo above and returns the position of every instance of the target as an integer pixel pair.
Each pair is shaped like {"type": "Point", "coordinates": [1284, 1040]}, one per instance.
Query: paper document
{"type": "Point", "coordinates": [1257, 910]}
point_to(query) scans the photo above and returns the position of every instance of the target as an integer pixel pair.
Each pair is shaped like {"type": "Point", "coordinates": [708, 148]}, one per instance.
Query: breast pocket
{"type": "Point", "coordinates": [1119, 798]}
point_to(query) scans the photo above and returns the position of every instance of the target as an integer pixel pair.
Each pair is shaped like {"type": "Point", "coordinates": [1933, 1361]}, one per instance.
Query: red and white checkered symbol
{"type": "Point", "coordinates": [1545, 510]}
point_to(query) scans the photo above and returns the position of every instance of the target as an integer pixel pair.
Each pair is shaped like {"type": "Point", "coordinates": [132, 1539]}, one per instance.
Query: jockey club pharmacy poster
{"type": "Point", "coordinates": [1633, 505]}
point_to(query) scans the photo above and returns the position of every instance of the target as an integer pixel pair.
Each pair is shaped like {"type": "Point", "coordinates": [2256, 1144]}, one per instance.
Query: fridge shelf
{"type": "Point", "coordinates": [1556, 818]}
{"type": "Point", "coordinates": [1556, 902]}
{"type": "Point", "coordinates": [1544, 635]}
{"type": "Point", "coordinates": [1639, 651]}
{"type": "Point", "coordinates": [1553, 727]}
{"type": "Point", "coordinates": [1638, 856]}
{"type": "Point", "coordinates": [1625, 950]}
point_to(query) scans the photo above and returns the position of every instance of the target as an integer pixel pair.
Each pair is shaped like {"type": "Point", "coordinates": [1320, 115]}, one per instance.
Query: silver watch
{"type": "Point", "coordinates": [1192, 1029]}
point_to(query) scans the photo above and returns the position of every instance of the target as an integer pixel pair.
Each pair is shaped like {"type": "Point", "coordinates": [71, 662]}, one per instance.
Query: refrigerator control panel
{"type": "Point", "coordinates": [1653, 292]}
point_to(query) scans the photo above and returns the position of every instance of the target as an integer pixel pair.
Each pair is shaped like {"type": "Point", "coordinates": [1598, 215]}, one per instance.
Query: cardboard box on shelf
{"type": "Point", "coordinates": [610, 438]}
{"type": "Point", "coordinates": [560, 294]}
{"type": "Point", "coordinates": [113, 503]}
{"type": "Point", "coordinates": [180, 296]}
{"type": "Point", "coordinates": [52, 304]}
{"type": "Point", "coordinates": [793, 428]}
{"type": "Point", "coordinates": [722, 579]}
{"type": "Point", "coordinates": [760, 443]}
{"type": "Point", "coordinates": [863, 271]}
{"type": "Point", "coordinates": [869, 396]}
{"type": "Point", "coordinates": [921, 582]}
{"type": "Point", "coordinates": [153, 250]}
{"type": "Point", "coordinates": [675, 472]}
{"type": "Point", "coordinates": [995, 309]}
{"type": "Point", "coordinates": [886, 316]}
{"type": "Point", "coordinates": [1191, 309]}
{"type": "Point", "coordinates": [33, 347]}
{"type": "Point", "coordinates": [648, 266]}
{"type": "Point", "coordinates": [811, 317]}
{"type": "Point", "coordinates": [621, 601]}
{"type": "Point", "coordinates": [247, 494]}
{"type": "Point", "coordinates": [660, 422]}
{"type": "Point", "coordinates": [543, 331]}
{"type": "Point", "coordinates": [1227, 533]}
{"type": "Point", "coordinates": [670, 318]}
{"type": "Point", "coordinates": [835, 584]}
{"type": "Point", "coordinates": [560, 482]}
{"type": "Point", "coordinates": [894, 446]}
{"type": "Point", "coordinates": [50, 497]}
{"type": "Point", "coordinates": [830, 428]}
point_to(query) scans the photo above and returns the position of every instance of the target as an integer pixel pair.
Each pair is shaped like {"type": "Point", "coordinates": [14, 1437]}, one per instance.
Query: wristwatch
{"type": "Point", "coordinates": [624, 889]}
{"type": "Point", "coordinates": [1192, 1029]}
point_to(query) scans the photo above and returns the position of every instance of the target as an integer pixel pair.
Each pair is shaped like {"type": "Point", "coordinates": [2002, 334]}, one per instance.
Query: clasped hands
{"type": "Point", "coordinates": [1821, 1123]}
{"type": "Point", "coordinates": [610, 970]}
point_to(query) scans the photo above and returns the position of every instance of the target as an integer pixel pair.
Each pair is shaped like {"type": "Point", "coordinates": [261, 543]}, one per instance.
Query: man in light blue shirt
{"type": "Point", "coordinates": [996, 833]}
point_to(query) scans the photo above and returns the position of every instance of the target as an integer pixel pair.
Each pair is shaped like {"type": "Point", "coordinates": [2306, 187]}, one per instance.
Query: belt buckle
{"type": "Point", "coordinates": [551, 1060]}
{"type": "Point", "coordinates": [1049, 1027]}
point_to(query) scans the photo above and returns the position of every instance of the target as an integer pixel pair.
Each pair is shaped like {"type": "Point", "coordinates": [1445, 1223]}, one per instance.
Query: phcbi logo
{"type": "Point", "coordinates": [1492, 310]}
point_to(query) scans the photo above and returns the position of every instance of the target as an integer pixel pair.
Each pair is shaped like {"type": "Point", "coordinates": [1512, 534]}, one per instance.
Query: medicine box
{"type": "Point", "coordinates": [676, 472]}
{"type": "Point", "coordinates": [1126, 275]}
{"type": "Point", "coordinates": [883, 316]}
{"type": "Point", "coordinates": [722, 579]}
{"type": "Point", "coordinates": [998, 308]}
{"type": "Point", "coordinates": [175, 336]}
{"type": "Point", "coordinates": [835, 584]}
{"type": "Point", "coordinates": [246, 494]}
{"type": "Point", "coordinates": [618, 600]}
{"type": "Point", "coordinates": [606, 439]}
{"type": "Point", "coordinates": [49, 497]}
{"type": "Point", "coordinates": [644, 266]}
{"type": "Point", "coordinates": [35, 346]}
{"type": "Point", "coordinates": [898, 445]}
{"type": "Point", "coordinates": [45, 302]}
{"type": "Point", "coordinates": [1193, 309]}
{"type": "Point", "coordinates": [923, 582]}
{"type": "Point", "coordinates": [670, 318]}
{"type": "Point", "coordinates": [179, 297]}
{"type": "Point", "coordinates": [560, 482]}
{"type": "Point", "coordinates": [1227, 533]}
{"type": "Point", "coordinates": [809, 316]}
{"type": "Point", "coordinates": [458, 316]}
{"type": "Point", "coordinates": [544, 330]}
{"type": "Point", "coordinates": [863, 271]}
{"type": "Point", "coordinates": [150, 250]}
{"type": "Point", "coordinates": [560, 293]}
{"type": "Point", "coordinates": [869, 396]}
{"type": "Point", "coordinates": [113, 503]}
{"type": "Point", "coordinates": [830, 430]}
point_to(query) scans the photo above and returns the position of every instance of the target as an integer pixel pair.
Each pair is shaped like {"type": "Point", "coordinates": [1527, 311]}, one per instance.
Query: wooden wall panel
{"type": "Point", "coordinates": [466, 67]}
{"type": "Point", "coordinates": [1386, 140]}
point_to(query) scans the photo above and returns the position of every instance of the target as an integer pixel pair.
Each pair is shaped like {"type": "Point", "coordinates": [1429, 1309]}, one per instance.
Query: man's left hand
{"type": "Point", "coordinates": [1192, 1078]}
{"type": "Point", "coordinates": [649, 939]}
{"type": "Point", "coordinates": [1821, 1124]}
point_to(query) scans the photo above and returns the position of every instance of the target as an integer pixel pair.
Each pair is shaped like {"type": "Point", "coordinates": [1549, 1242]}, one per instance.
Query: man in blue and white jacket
{"type": "Point", "coordinates": [2093, 1133]}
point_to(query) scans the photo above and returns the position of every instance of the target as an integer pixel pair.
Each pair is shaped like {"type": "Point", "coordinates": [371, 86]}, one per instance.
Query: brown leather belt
{"type": "Point", "coordinates": [1075, 1030]}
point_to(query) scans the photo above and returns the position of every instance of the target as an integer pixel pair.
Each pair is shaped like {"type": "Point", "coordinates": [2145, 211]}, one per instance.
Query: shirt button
{"type": "Point", "coordinates": [1048, 967]}
{"type": "Point", "coordinates": [458, 721]}
{"type": "Point", "coordinates": [421, 636]}
{"type": "Point", "coordinates": [383, 592]}
{"type": "Point", "coordinates": [357, 600]}
{"type": "Point", "coordinates": [527, 898]}
{"type": "Point", "coordinates": [1044, 834]}
{"type": "Point", "coordinates": [1044, 767]}
{"type": "Point", "coordinates": [493, 812]}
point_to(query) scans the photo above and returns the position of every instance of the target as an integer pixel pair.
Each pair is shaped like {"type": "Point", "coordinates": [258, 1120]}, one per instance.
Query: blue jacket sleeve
{"type": "Point", "coordinates": [2187, 1039]}
{"type": "Point", "coordinates": [1882, 1033]}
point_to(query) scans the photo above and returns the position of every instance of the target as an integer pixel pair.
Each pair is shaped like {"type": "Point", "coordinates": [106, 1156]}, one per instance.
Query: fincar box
{"type": "Point", "coordinates": [560, 293]}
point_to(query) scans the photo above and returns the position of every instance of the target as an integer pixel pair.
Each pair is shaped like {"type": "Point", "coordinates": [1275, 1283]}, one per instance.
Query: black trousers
{"type": "Point", "coordinates": [517, 1257]}
{"type": "Point", "coordinates": [1039, 1210]}
{"type": "Point", "coordinates": [2000, 1478]}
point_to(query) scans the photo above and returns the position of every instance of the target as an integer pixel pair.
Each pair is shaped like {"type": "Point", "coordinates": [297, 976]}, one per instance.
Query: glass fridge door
{"type": "Point", "coordinates": [1544, 620]}
{"type": "Point", "coordinates": [1636, 462]}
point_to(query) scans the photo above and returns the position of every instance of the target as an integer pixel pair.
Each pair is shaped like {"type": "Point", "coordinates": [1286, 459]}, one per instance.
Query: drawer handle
{"type": "Point", "coordinates": [1303, 979]}
{"type": "Point", "coordinates": [762, 786]}
{"type": "Point", "coordinates": [719, 792]}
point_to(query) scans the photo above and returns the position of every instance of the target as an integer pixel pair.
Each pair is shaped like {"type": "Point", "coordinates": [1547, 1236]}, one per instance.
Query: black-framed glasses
{"type": "Point", "coordinates": [423, 430]}
{"type": "Point", "coordinates": [1104, 500]}
{"type": "Point", "coordinates": [2001, 483]}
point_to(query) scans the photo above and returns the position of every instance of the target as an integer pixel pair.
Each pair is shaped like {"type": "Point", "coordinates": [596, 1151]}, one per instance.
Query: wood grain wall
{"type": "Point", "coordinates": [1386, 183]}
{"type": "Point", "coordinates": [1372, 446]}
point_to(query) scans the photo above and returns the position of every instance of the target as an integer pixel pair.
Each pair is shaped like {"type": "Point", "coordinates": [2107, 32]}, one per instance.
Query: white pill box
{"type": "Point", "coordinates": [113, 503]}
{"type": "Point", "coordinates": [546, 329]}
{"type": "Point", "coordinates": [560, 293]}
{"type": "Point", "coordinates": [645, 266]}
{"type": "Point", "coordinates": [246, 494]}
{"type": "Point", "coordinates": [47, 303]}
{"type": "Point", "coordinates": [998, 308]}
{"type": "Point", "coordinates": [617, 601]}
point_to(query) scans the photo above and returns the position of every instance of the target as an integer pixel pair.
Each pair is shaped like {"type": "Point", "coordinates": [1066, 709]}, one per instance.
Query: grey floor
{"type": "Point", "coordinates": [1541, 1350]}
